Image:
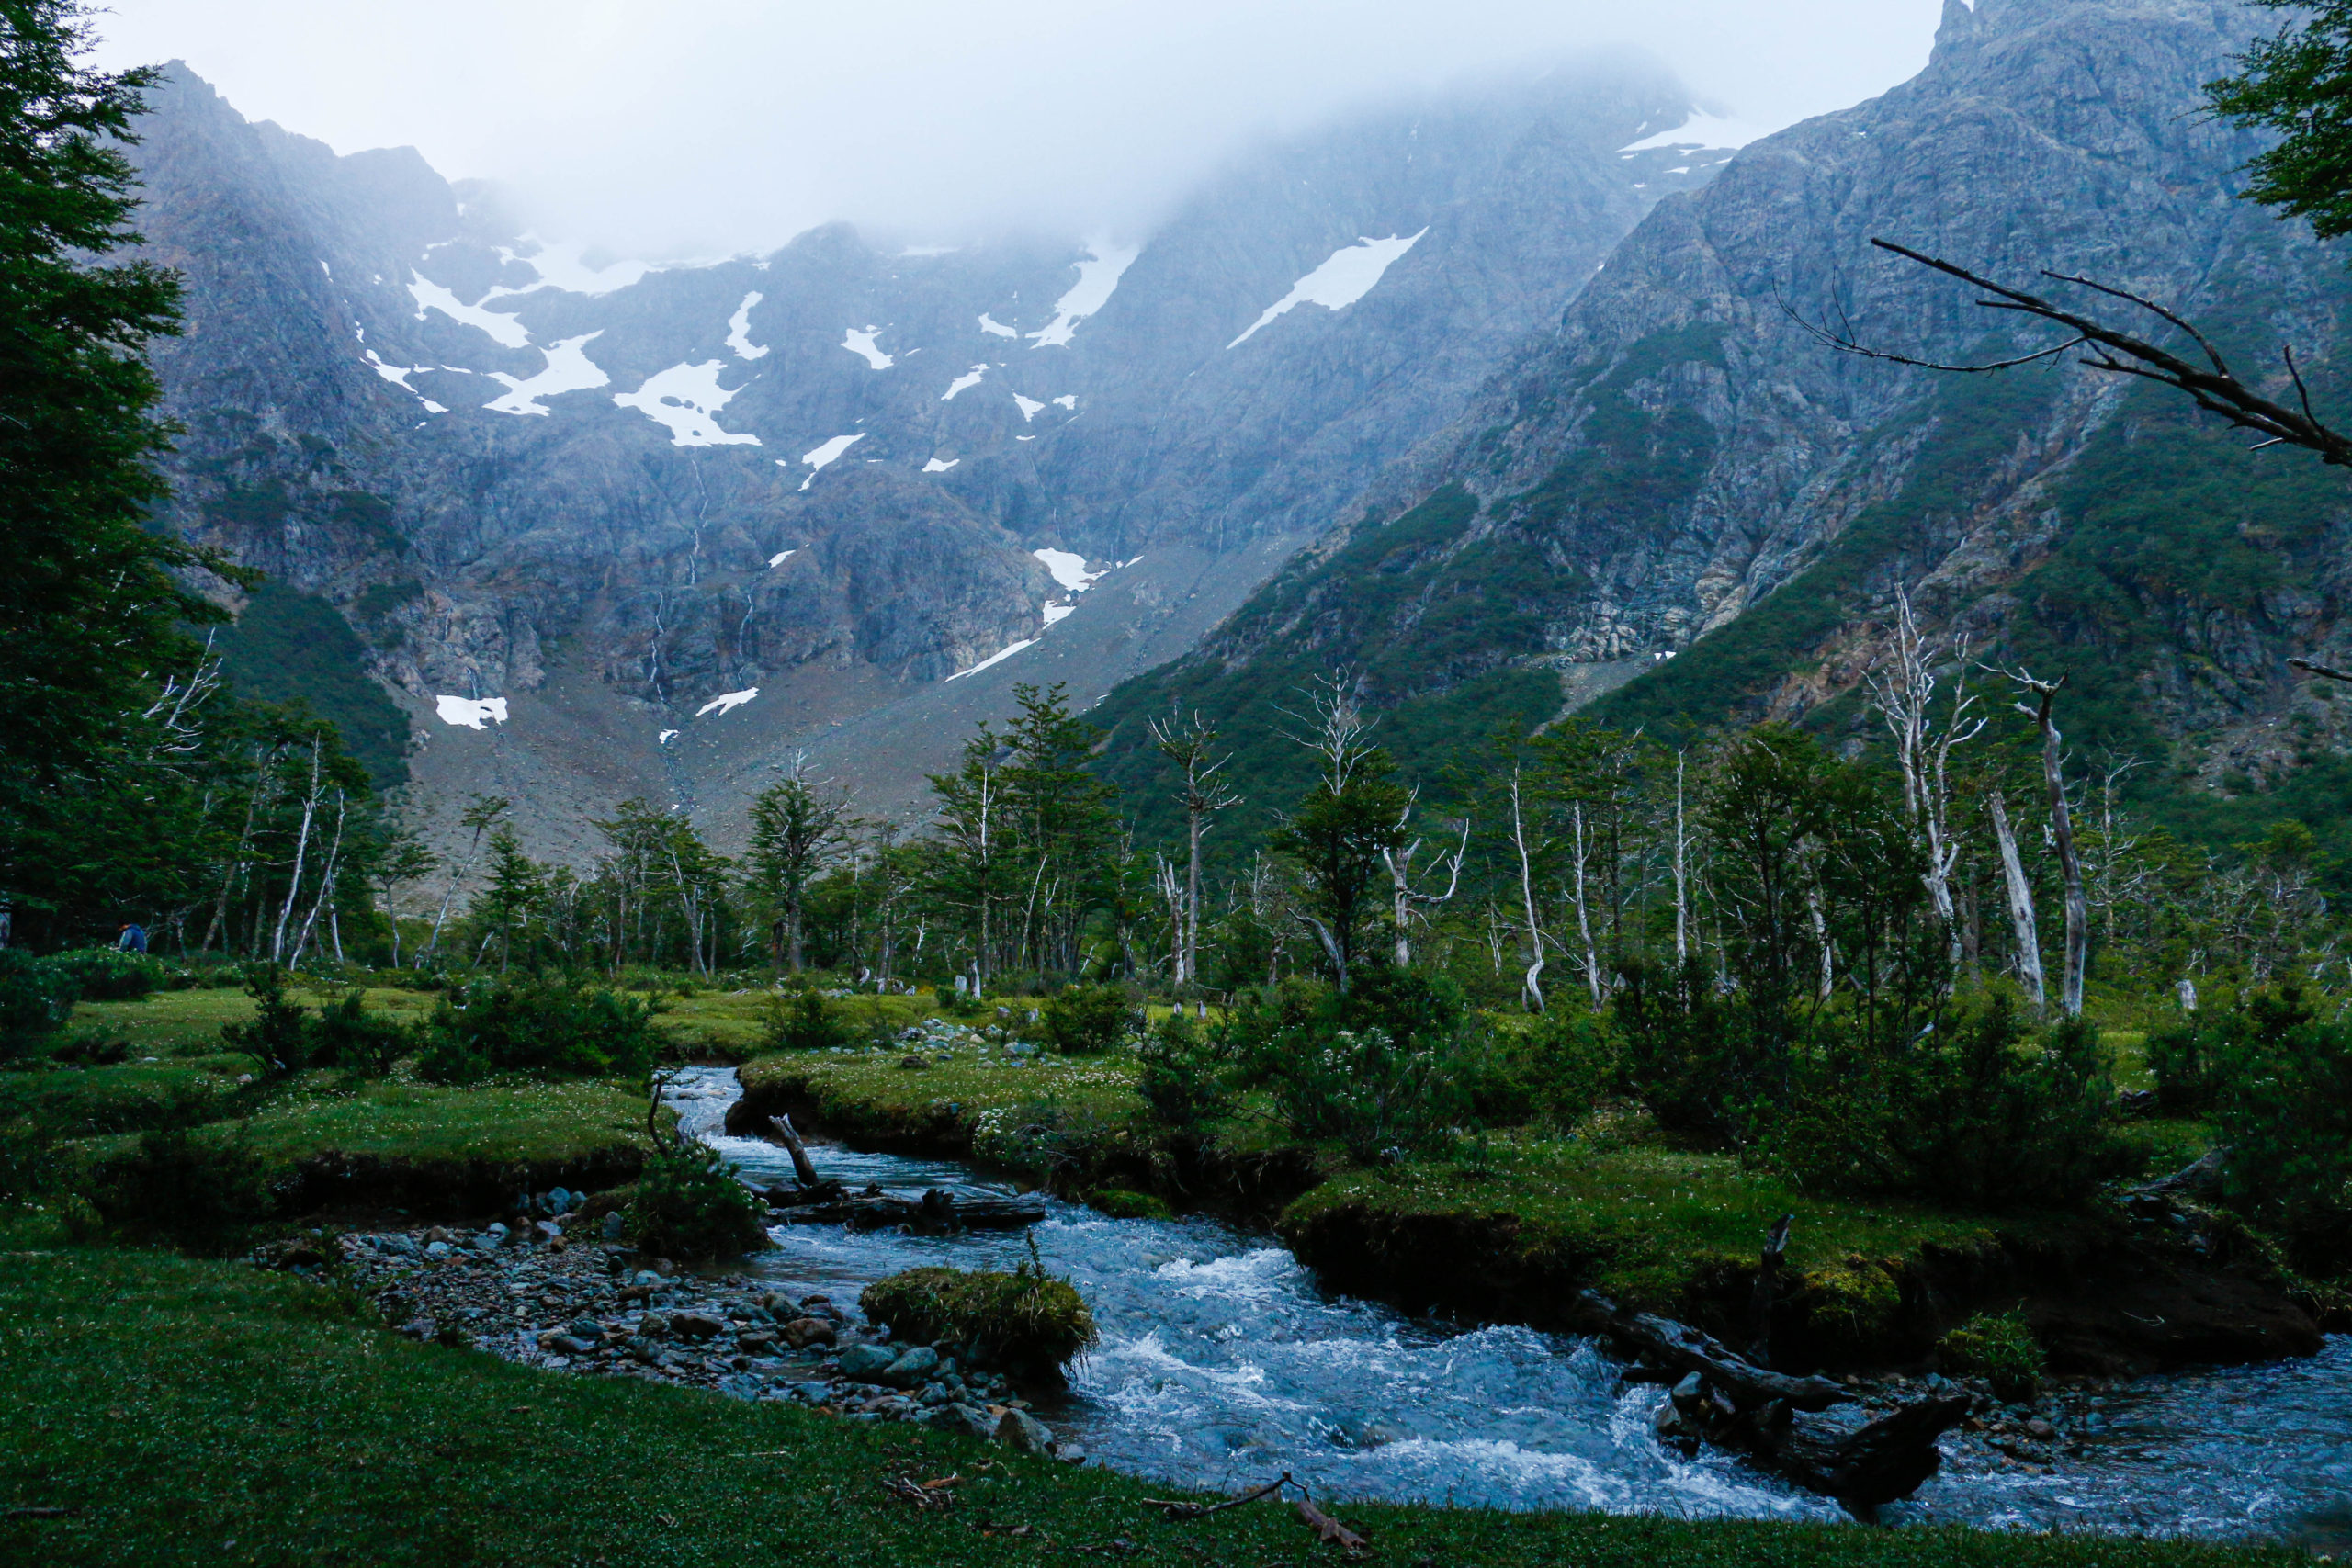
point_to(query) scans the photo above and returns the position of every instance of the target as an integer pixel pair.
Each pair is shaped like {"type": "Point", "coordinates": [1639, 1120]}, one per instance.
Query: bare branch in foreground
{"type": "Point", "coordinates": [2214, 387]}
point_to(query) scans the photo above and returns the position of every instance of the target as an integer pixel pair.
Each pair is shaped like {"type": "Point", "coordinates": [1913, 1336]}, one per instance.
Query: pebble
{"type": "Point", "coordinates": [527, 1297]}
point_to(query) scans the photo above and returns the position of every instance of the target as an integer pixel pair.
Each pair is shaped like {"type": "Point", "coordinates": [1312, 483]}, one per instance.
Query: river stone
{"type": "Point", "coordinates": [803, 1332]}
{"type": "Point", "coordinates": [695, 1324]}
{"type": "Point", "coordinates": [865, 1362]}
{"type": "Point", "coordinates": [1024, 1433]}
{"type": "Point", "coordinates": [437, 1250]}
{"type": "Point", "coordinates": [585, 1328]}
{"type": "Point", "coordinates": [960, 1418]}
{"type": "Point", "coordinates": [614, 1225]}
{"type": "Point", "coordinates": [740, 1385]}
{"type": "Point", "coordinates": [935, 1393]}
{"type": "Point", "coordinates": [917, 1366]}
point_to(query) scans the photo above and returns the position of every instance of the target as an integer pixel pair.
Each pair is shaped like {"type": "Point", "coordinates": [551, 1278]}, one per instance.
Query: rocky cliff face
{"type": "Point", "coordinates": [1707, 513]}
{"type": "Point", "coordinates": [613, 500]}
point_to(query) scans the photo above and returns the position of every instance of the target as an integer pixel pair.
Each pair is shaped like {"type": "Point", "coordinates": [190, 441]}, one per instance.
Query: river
{"type": "Point", "coordinates": [1222, 1364]}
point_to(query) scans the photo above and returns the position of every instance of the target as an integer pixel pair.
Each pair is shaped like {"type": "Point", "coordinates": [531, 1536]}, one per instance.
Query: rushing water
{"type": "Point", "coordinates": [1222, 1364]}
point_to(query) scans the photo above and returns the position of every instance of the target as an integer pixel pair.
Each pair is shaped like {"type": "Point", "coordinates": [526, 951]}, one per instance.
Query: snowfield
{"type": "Point", "coordinates": [1345, 277]}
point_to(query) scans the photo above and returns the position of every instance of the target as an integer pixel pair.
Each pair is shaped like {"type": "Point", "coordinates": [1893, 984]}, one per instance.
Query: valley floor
{"type": "Point", "coordinates": [161, 1409]}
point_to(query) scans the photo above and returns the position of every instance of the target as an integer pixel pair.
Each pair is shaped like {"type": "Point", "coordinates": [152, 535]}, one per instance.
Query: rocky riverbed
{"type": "Point", "coordinates": [527, 1293]}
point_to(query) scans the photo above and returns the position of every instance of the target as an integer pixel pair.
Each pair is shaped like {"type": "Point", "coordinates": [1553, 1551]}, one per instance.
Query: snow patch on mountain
{"type": "Point", "coordinates": [738, 329]}
{"type": "Point", "coordinates": [470, 713]}
{"type": "Point", "coordinates": [781, 557]}
{"type": "Point", "coordinates": [569, 369]}
{"type": "Point", "coordinates": [561, 267]}
{"type": "Point", "coordinates": [398, 375]}
{"type": "Point", "coordinates": [1068, 401]}
{"type": "Point", "coordinates": [726, 702]}
{"type": "Point", "coordinates": [1068, 569]}
{"type": "Point", "coordinates": [860, 341]}
{"type": "Point", "coordinates": [818, 456]}
{"type": "Point", "coordinates": [429, 296]}
{"type": "Point", "coordinates": [687, 397]}
{"type": "Point", "coordinates": [1700, 130]}
{"type": "Point", "coordinates": [1097, 276]}
{"type": "Point", "coordinates": [937, 466]}
{"type": "Point", "coordinates": [995, 659]}
{"type": "Point", "coordinates": [1346, 275]}
{"type": "Point", "coordinates": [963, 383]}
{"type": "Point", "coordinates": [1029, 409]}
{"type": "Point", "coordinates": [995, 328]}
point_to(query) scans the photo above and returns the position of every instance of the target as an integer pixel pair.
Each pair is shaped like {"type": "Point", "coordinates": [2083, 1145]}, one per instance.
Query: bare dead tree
{"type": "Point", "coordinates": [1192, 746]}
{"type": "Point", "coordinates": [2214, 386]}
{"type": "Point", "coordinates": [1408, 898]}
{"type": "Point", "coordinates": [2062, 831]}
{"type": "Point", "coordinates": [1681, 874]}
{"type": "Point", "coordinates": [2021, 892]}
{"type": "Point", "coordinates": [1531, 987]}
{"type": "Point", "coordinates": [1905, 697]}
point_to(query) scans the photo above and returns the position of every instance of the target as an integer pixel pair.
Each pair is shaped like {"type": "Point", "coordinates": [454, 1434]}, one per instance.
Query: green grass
{"type": "Point", "coordinates": [731, 1025]}
{"type": "Point", "coordinates": [869, 1093]}
{"type": "Point", "coordinates": [1642, 1222]}
{"type": "Point", "coordinates": [204, 1413]}
{"type": "Point", "coordinates": [423, 1123]}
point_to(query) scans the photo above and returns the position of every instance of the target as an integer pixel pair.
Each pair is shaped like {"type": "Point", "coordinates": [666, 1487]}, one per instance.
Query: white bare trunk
{"type": "Point", "coordinates": [2020, 893]}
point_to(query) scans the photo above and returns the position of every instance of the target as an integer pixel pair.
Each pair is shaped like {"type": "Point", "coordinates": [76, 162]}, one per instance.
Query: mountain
{"type": "Point", "coordinates": [570, 528]}
{"type": "Point", "coordinates": [1683, 511]}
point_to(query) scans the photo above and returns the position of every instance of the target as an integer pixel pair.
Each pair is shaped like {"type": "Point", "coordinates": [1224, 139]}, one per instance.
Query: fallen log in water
{"type": "Point", "coordinates": [935, 1212]}
{"type": "Point", "coordinates": [1808, 1429]}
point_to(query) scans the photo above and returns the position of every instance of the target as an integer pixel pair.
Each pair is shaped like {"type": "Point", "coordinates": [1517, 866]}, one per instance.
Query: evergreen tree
{"type": "Point", "coordinates": [798, 831]}
{"type": "Point", "coordinates": [91, 615]}
{"type": "Point", "coordinates": [2298, 83]}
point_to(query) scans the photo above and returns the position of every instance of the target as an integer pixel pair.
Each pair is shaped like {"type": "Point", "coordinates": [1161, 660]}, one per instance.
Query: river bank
{"type": "Point", "coordinates": [1512, 1235]}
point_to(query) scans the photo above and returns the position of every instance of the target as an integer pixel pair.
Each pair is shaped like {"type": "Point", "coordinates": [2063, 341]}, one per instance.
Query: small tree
{"type": "Point", "coordinates": [1337, 837]}
{"type": "Point", "coordinates": [799, 830]}
{"type": "Point", "coordinates": [1192, 746]}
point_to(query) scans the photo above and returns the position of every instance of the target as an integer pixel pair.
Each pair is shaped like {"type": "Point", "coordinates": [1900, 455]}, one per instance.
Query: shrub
{"type": "Point", "coordinates": [1179, 1079]}
{"type": "Point", "coordinates": [34, 1162]}
{"type": "Point", "coordinates": [1084, 1019]}
{"type": "Point", "coordinates": [1979, 1112]}
{"type": "Point", "coordinates": [2001, 1349]}
{"type": "Point", "coordinates": [1384, 1069]}
{"type": "Point", "coordinates": [548, 1028]}
{"type": "Point", "coordinates": [188, 1184]}
{"type": "Point", "coordinates": [110, 974]}
{"type": "Point", "coordinates": [1693, 1056]}
{"type": "Point", "coordinates": [349, 1036]}
{"type": "Point", "coordinates": [1027, 1321]}
{"type": "Point", "coordinates": [2283, 1105]}
{"type": "Point", "coordinates": [36, 999]}
{"type": "Point", "coordinates": [800, 1021]}
{"type": "Point", "coordinates": [1558, 1069]}
{"type": "Point", "coordinates": [280, 1034]}
{"type": "Point", "coordinates": [689, 1205]}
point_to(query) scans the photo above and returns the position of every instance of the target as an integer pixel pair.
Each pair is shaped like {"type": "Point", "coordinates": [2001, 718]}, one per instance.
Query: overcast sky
{"type": "Point", "coordinates": [675, 128]}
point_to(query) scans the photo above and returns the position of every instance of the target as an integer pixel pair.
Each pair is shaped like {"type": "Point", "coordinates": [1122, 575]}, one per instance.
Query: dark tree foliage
{"type": "Point", "coordinates": [2298, 82]}
{"type": "Point", "coordinates": [91, 615]}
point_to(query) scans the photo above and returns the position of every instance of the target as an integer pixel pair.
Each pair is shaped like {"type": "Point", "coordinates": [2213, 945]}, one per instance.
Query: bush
{"type": "Point", "coordinates": [190, 1185]}
{"type": "Point", "coordinates": [2283, 1106]}
{"type": "Point", "coordinates": [2000, 1349]}
{"type": "Point", "coordinates": [1693, 1056]}
{"type": "Point", "coordinates": [548, 1028]}
{"type": "Point", "coordinates": [1027, 1321]}
{"type": "Point", "coordinates": [36, 999]}
{"type": "Point", "coordinates": [280, 1034]}
{"type": "Point", "coordinates": [689, 1205]}
{"type": "Point", "coordinates": [34, 1162]}
{"type": "Point", "coordinates": [800, 1021]}
{"type": "Point", "coordinates": [1179, 1079]}
{"type": "Point", "coordinates": [1556, 1071]}
{"type": "Point", "coordinates": [1980, 1113]}
{"type": "Point", "coordinates": [110, 974]}
{"type": "Point", "coordinates": [1085, 1019]}
{"type": "Point", "coordinates": [1386, 1069]}
{"type": "Point", "coordinates": [347, 1035]}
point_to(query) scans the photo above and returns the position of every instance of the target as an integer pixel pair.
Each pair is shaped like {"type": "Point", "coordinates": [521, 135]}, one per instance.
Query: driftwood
{"type": "Point", "coordinates": [2200, 1177]}
{"type": "Point", "coordinates": [1679, 1345]}
{"type": "Point", "coordinates": [802, 1171]}
{"type": "Point", "coordinates": [1806, 1428]}
{"type": "Point", "coordinates": [935, 1212]}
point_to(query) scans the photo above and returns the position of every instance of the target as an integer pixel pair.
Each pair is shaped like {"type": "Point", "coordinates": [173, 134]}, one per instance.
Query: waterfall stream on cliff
{"type": "Point", "coordinates": [1222, 1364]}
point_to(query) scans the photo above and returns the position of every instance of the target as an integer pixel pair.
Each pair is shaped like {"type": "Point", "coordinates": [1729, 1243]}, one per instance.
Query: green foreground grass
{"type": "Point", "coordinates": [186, 1412]}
